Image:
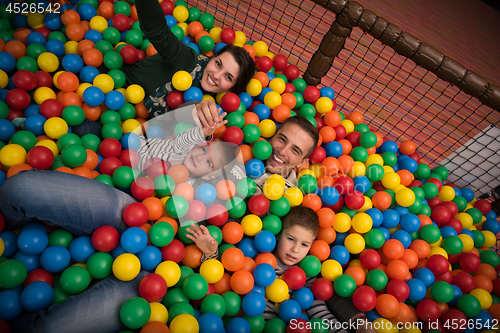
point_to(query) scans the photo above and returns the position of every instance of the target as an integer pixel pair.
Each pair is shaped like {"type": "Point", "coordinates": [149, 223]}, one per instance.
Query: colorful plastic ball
{"type": "Point", "coordinates": [442, 292]}
{"type": "Point", "coordinates": [264, 275]}
{"type": "Point", "coordinates": [277, 291]}
{"type": "Point", "coordinates": [126, 267]}
{"type": "Point", "coordinates": [37, 296]}
{"type": "Point", "coordinates": [74, 280]}
{"type": "Point", "coordinates": [322, 289]}
{"type": "Point", "coordinates": [25, 80]}
{"type": "Point", "coordinates": [134, 240]}
{"type": "Point", "coordinates": [55, 258]}
{"type": "Point", "coordinates": [265, 241]}
{"type": "Point", "coordinates": [135, 312]}
{"type": "Point", "coordinates": [344, 285]}
{"type": "Point", "coordinates": [417, 289]}
{"type": "Point", "coordinates": [253, 304]}
{"type": "Point", "coordinates": [100, 265]}
{"type": "Point", "coordinates": [12, 273]}
{"type": "Point", "coordinates": [32, 241]}
{"type": "Point", "coordinates": [376, 279]}
{"type": "Point", "coordinates": [469, 305]}
{"type": "Point", "coordinates": [152, 287]}
{"type": "Point", "coordinates": [195, 286]}
{"type": "Point", "coordinates": [105, 238]}
{"type": "Point", "coordinates": [233, 135]}
{"type": "Point", "coordinates": [177, 206]}
{"type": "Point", "coordinates": [210, 323]}
{"type": "Point", "coordinates": [93, 96]}
{"type": "Point", "coordinates": [254, 168]}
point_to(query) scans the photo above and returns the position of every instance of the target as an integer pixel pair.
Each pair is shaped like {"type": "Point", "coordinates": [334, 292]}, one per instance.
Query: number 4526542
{"type": "Point", "coordinates": [25, 8]}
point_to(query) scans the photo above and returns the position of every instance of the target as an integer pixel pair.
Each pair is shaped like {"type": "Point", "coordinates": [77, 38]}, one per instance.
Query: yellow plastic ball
{"type": "Point", "coordinates": [71, 47]}
{"type": "Point", "coordinates": [374, 159]}
{"type": "Point", "coordinates": [2, 246]}
{"type": "Point", "coordinates": [54, 79]}
{"type": "Point", "coordinates": [267, 128]}
{"type": "Point", "coordinates": [278, 291]}
{"type": "Point", "coordinates": [12, 154]}
{"type": "Point", "coordinates": [35, 20]}
{"type": "Point", "coordinates": [239, 37]}
{"type": "Point", "coordinates": [483, 296]}
{"type": "Point", "coordinates": [331, 269]}
{"type": "Point", "coordinates": [170, 271]}
{"type": "Point", "coordinates": [489, 238]}
{"type": "Point", "coordinates": [48, 62]}
{"type": "Point", "coordinates": [465, 219]}
{"type": "Point", "coordinates": [104, 82]}
{"type": "Point", "coordinates": [410, 328]}
{"type": "Point", "coordinates": [447, 193]}
{"type": "Point", "coordinates": [438, 250]}
{"type": "Point", "coordinates": [269, 55]}
{"type": "Point", "coordinates": [251, 225]}
{"type": "Point", "coordinates": [218, 97]}
{"type": "Point", "coordinates": [362, 223]}
{"type": "Point", "coordinates": [134, 94]}
{"type": "Point", "coordinates": [273, 189]}
{"type": "Point", "coordinates": [182, 80]}
{"type": "Point", "coordinates": [98, 23]}
{"type": "Point", "coordinates": [388, 169]}
{"type": "Point", "coordinates": [438, 243]}
{"type": "Point", "coordinates": [184, 26]}
{"type": "Point", "coordinates": [317, 170]}
{"type": "Point", "coordinates": [55, 127]}
{"type": "Point", "coordinates": [277, 85]}
{"type": "Point", "coordinates": [324, 105]}
{"type": "Point", "coordinates": [405, 197]}
{"type": "Point", "coordinates": [272, 99]}
{"type": "Point", "coordinates": [158, 312]}
{"type": "Point", "coordinates": [305, 172]}
{"type": "Point", "coordinates": [278, 178]}
{"type": "Point", "coordinates": [42, 94]}
{"type": "Point", "coordinates": [467, 241]}
{"type": "Point", "coordinates": [383, 325]}
{"type": "Point", "coordinates": [254, 87]}
{"type": "Point", "coordinates": [131, 126]}
{"type": "Point", "coordinates": [349, 125]}
{"type": "Point", "coordinates": [4, 79]}
{"type": "Point", "coordinates": [126, 267]}
{"type": "Point", "coordinates": [260, 48]}
{"type": "Point", "coordinates": [181, 13]}
{"type": "Point", "coordinates": [294, 196]}
{"type": "Point", "coordinates": [391, 180]}
{"type": "Point", "coordinates": [81, 88]}
{"type": "Point", "coordinates": [184, 323]}
{"type": "Point", "coordinates": [212, 270]}
{"type": "Point", "coordinates": [342, 222]}
{"type": "Point", "coordinates": [367, 205]}
{"type": "Point", "coordinates": [354, 243]}
{"type": "Point", "coordinates": [358, 169]}
{"type": "Point", "coordinates": [215, 34]}
{"type": "Point", "coordinates": [207, 97]}
{"type": "Point", "coordinates": [49, 144]}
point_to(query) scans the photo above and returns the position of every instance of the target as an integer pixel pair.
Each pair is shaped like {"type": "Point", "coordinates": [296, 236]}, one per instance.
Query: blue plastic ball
{"type": "Point", "coordinates": [171, 21]}
{"type": "Point", "coordinates": [253, 304]}
{"type": "Point", "coordinates": [262, 111]}
{"type": "Point", "coordinates": [289, 310]}
{"type": "Point", "coordinates": [329, 196]}
{"type": "Point", "coordinates": [391, 218]}
{"type": "Point", "coordinates": [258, 289]}
{"type": "Point", "coordinates": [483, 321]}
{"type": "Point", "coordinates": [35, 123]}
{"type": "Point", "coordinates": [87, 12]}
{"type": "Point", "coordinates": [81, 248]}
{"type": "Point", "coordinates": [218, 46]}
{"type": "Point", "coordinates": [340, 254]}
{"type": "Point", "coordinates": [425, 275]}
{"type": "Point", "coordinates": [94, 36]}
{"type": "Point", "coordinates": [491, 225]}
{"type": "Point", "coordinates": [265, 241]}
{"type": "Point", "coordinates": [410, 222]}
{"type": "Point", "coordinates": [55, 258]}
{"type": "Point", "coordinates": [246, 99]}
{"type": "Point", "coordinates": [52, 21]}
{"type": "Point", "coordinates": [447, 231]}
{"type": "Point", "coordinates": [491, 215]}
{"type": "Point", "coordinates": [210, 323]}
{"type": "Point", "coordinates": [372, 315]}
{"type": "Point", "coordinates": [385, 231]}
{"type": "Point", "coordinates": [10, 242]}
{"type": "Point", "coordinates": [93, 96]}
{"type": "Point", "coordinates": [339, 240]}
{"type": "Point", "coordinates": [304, 297]}
{"type": "Point", "coordinates": [457, 292]}
{"type": "Point", "coordinates": [333, 149]}
{"type": "Point", "coordinates": [88, 73]}
{"type": "Point", "coordinates": [7, 130]}
{"type": "Point", "coordinates": [72, 63]}
{"type": "Point", "coordinates": [247, 246]}
{"type": "Point", "coordinates": [21, 21]}
{"type": "Point", "coordinates": [376, 215]}
{"type": "Point", "coordinates": [403, 236]}
{"type": "Point", "coordinates": [134, 240]}
{"type": "Point", "coordinates": [238, 325]}
{"type": "Point", "coordinates": [467, 232]}
{"type": "Point", "coordinates": [361, 184]}
{"type": "Point", "coordinates": [32, 241]}
{"type": "Point", "coordinates": [263, 94]}
{"type": "Point", "coordinates": [327, 92]}
{"type": "Point", "coordinates": [56, 47]}
{"type": "Point", "coordinates": [193, 94]}
{"type": "Point", "coordinates": [255, 168]}
{"type": "Point", "coordinates": [389, 146]}
{"type": "Point", "coordinates": [194, 47]}
{"type": "Point", "coordinates": [130, 141]}
{"type": "Point", "coordinates": [117, 251]}
{"type": "Point", "coordinates": [417, 289]}
{"type": "Point", "coordinates": [32, 110]}
{"type": "Point", "coordinates": [264, 275]}
{"type": "Point", "coordinates": [205, 193]}
{"type": "Point", "coordinates": [150, 257]}
{"type": "Point", "coordinates": [37, 296]}
{"type": "Point", "coordinates": [401, 210]}
{"type": "Point", "coordinates": [10, 304]}
{"type": "Point", "coordinates": [409, 164]}
{"type": "Point", "coordinates": [155, 131]}
{"type": "Point", "coordinates": [3, 177]}
{"type": "Point", "coordinates": [114, 100]}
{"type": "Point", "coordinates": [30, 261]}
{"type": "Point", "coordinates": [468, 194]}
{"type": "Point", "coordinates": [35, 37]}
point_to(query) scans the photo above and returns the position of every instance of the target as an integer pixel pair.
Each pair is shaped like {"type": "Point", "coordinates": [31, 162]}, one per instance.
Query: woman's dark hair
{"type": "Point", "coordinates": [246, 63]}
{"type": "Point", "coordinates": [307, 126]}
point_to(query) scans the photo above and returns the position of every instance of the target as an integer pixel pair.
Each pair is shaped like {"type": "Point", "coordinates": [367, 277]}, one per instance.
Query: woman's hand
{"type": "Point", "coordinates": [202, 238]}
{"type": "Point", "coordinates": [208, 117]}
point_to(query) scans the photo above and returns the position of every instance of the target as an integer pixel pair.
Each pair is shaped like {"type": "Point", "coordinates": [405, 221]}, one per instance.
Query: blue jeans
{"type": "Point", "coordinates": [79, 205]}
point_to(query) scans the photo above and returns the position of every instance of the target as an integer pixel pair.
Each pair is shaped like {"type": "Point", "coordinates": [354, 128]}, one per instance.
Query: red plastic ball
{"type": "Point", "coordinates": [464, 281]}
{"type": "Point", "coordinates": [110, 147]}
{"type": "Point", "coordinates": [295, 277]}
{"type": "Point", "coordinates": [322, 289]}
{"type": "Point", "coordinates": [25, 80]}
{"type": "Point", "coordinates": [156, 167]}
{"type": "Point", "coordinates": [280, 62]}
{"type": "Point", "coordinates": [258, 204]}
{"type": "Point", "coordinates": [496, 286]}
{"type": "Point", "coordinates": [233, 135]}
{"type": "Point", "coordinates": [17, 99]}
{"type": "Point", "coordinates": [129, 54]}
{"type": "Point", "coordinates": [469, 262]}
{"type": "Point", "coordinates": [318, 155]}
{"type": "Point", "coordinates": [121, 22]}
{"type": "Point", "coordinates": [14, 114]}
{"type": "Point", "coordinates": [436, 182]}
{"type": "Point", "coordinates": [105, 238]}
{"type": "Point", "coordinates": [364, 298]}
{"type": "Point", "coordinates": [129, 158]}
{"type": "Point", "coordinates": [109, 165]}
{"type": "Point", "coordinates": [370, 259]}
{"type": "Point", "coordinates": [230, 102]}
{"type": "Point", "coordinates": [140, 55]}
{"type": "Point", "coordinates": [289, 88]}
{"type": "Point", "coordinates": [437, 264]}
{"type": "Point", "coordinates": [440, 215]}
{"type": "Point", "coordinates": [446, 277]}
{"type": "Point", "coordinates": [454, 316]}
{"type": "Point", "coordinates": [455, 224]}
{"type": "Point", "coordinates": [344, 185]}
{"type": "Point", "coordinates": [354, 200]}
{"type": "Point", "coordinates": [311, 94]}
{"type": "Point", "coordinates": [135, 214]}
{"type": "Point", "coordinates": [2, 222]}
{"type": "Point", "coordinates": [51, 108]}
{"type": "Point", "coordinates": [291, 72]}
{"type": "Point", "coordinates": [451, 206]}
{"type": "Point", "coordinates": [340, 132]}
{"type": "Point", "coordinates": [142, 188]}
{"type": "Point", "coordinates": [174, 99]}
{"type": "Point", "coordinates": [353, 138]}
{"type": "Point", "coordinates": [174, 251]}
{"type": "Point", "coordinates": [153, 287]}
{"type": "Point", "coordinates": [40, 157]}
{"type": "Point", "coordinates": [483, 206]}
{"type": "Point", "coordinates": [264, 64]}
{"type": "Point", "coordinates": [227, 35]}
{"type": "Point", "coordinates": [44, 31]}
{"type": "Point", "coordinates": [217, 215]}
{"type": "Point", "coordinates": [399, 289]}
{"type": "Point", "coordinates": [320, 122]}
{"type": "Point", "coordinates": [43, 79]}
{"type": "Point", "coordinates": [428, 310]}
{"type": "Point", "coordinates": [196, 211]}
{"type": "Point", "coordinates": [298, 326]}
{"type": "Point", "coordinates": [39, 274]}
{"type": "Point", "coordinates": [168, 7]}
{"type": "Point", "coordinates": [434, 202]}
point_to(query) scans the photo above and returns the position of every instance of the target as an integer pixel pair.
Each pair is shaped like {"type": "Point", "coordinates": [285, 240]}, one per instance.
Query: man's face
{"type": "Point", "coordinates": [290, 146]}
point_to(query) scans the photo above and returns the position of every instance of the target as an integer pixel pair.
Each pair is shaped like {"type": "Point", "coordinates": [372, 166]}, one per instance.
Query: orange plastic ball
{"type": "Point", "coordinates": [242, 282]}
{"type": "Point", "coordinates": [194, 28]}
{"type": "Point", "coordinates": [397, 269]}
{"type": "Point", "coordinates": [486, 270]}
{"type": "Point", "coordinates": [405, 176]}
{"type": "Point", "coordinates": [421, 248]}
{"type": "Point", "coordinates": [251, 118]}
{"type": "Point", "coordinates": [171, 221]}
{"type": "Point", "coordinates": [312, 201]}
{"type": "Point", "coordinates": [326, 217]}
{"type": "Point", "coordinates": [320, 249]}
{"type": "Point", "coordinates": [71, 98]}
{"type": "Point", "coordinates": [249, 265]}
{"type": "Point", "coordinates": [92, 57]}
{"type": "Point", "coordinates": [403, 315]}
{"type": "Point", "coordinates": [407, 147]}
{"type": "Point", "coordinates": [225, 189]}
{"type": "Point", "coordinates": [16, 48]}
{"type": "Point", "coordinates": [262, 78]}
{"type": "Point", "coordinates": [327, 234]}
{"type": "Point", "coordinates": [281, 112]}
{"type": "Point", "coordinates": [141, 111]}
{"type": "Point", "coordinates": [92, 160]}
{"type": "Point", "coordinates": [70, 16]}
{"type": "Point", "coordinates": [154, 326]}
{"type": "Point", "coordinates": [410, 257]}
{"type": "Point", "coordinates": [232, 232]}
{"type": "Point", "coordinates": [346, 163]}
{"type": "Point", "coordinates": [233, 259]}
{"type": "Point", "coordinates": [68, 81]}
{"type": "Point", "coordinates": [184, 190]}
{"type": "Point", "coordinates": [381, 200]}
{"type": "Point", "coordinates": [16, 168]}
{"type": "Point", "coordinates": [266, 258]}
{"type": "Point", "coordinates": [330, 166]}
{"type": "Point", "coordinates": [424, 220]}
{"type": "Point", "coordinates": [356, 117]}
{"type": "Point", "coordinates": [151, 50]}
{"type": "Point", "coordinates": [325, 181]}
{"type": "Point", "coordinates": [75, 31]}
{"type": "Point", "coordinates": [82, 172]}
{"type": "Point", "coordinates": [65, 170]}
{"type": "Point", "coordinates": [84, 45]}
{"type": "Point", "coordinates": [494, 311]}
{"type": "Point", "coordinates": [155, 207]}
{"type": "Point", "coordinates": [346, 148]}
{"type": "Point", "coordinates": [223, 284]}
{"type": "Point", "coordinates": [357, 273]}
{"type": "Point", "coordinates": [289, 100]}
{"type": "Point", "coordinates": [332, 118]}
{"type": "Point", "coordinates": [91, 112]}
{"type": "Point", "coordinates": [250, 50]}
{"type": "Point", "coordinates": [245, 151]}
{"type": "Point", "coordinates": [21, 34]}
{"type": "Point", "coordinates": [199, 35]}
{"type": "Point", "coordinates": [393, 249]}
{"type": "Point", "coordinates": [179, 173]}
{"type": "Point", "coordinates": [483, 282]}
{"type": "Point", "coordinates": [328, 134]}
{"type": "Point", "coordinates": [192, 257]}
{"type": "Point", "coordinates": [107, 10]}
{"type": "Point", "coordinates": [387, 305]}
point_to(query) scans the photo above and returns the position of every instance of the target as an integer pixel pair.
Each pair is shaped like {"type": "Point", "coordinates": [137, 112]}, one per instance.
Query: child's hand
{"type": "Point", "coordinates": [208, 117]}
{"type": "Point", "coordinates": [207, 131]}
{"type": "Point", "coordinates": [202, 238]}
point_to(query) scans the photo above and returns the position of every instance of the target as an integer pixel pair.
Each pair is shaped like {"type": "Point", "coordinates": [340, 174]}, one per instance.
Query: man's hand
{"type": "Point", "coordinates": [202, 238]}
{"type": "Point", "coordinates": [208, 117]}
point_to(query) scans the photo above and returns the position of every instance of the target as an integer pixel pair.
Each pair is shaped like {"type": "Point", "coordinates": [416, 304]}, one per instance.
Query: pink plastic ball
{"type": "Point", "coordinates": [196, 211]}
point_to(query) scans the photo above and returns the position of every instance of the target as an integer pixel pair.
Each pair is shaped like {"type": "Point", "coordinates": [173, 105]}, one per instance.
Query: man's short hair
{"type": "Point", "coordinates": [301, 216]}
{"type": "Point", "coordinates": [307, 126]}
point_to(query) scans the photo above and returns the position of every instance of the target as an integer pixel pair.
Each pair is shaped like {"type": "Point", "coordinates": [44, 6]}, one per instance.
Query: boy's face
{"type": "Point", "coordinates": [294, 244]}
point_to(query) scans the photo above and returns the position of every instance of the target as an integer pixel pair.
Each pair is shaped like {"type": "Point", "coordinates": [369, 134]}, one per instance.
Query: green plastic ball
{"type": "Point", "coordinates": [318, 325]}
{"type": "Point", "coordinates": [377, 279]}
{"type": "Point", "coordinates": [207, 20]}
{"type": "Point", "coordinates": [299, 84]}
{"type": "Point", "coordinates": [74, 280]}
{"type": "Point", "coordinates": [272, 223]}
{"type": "Point", "coordinates": [135, 312]}
{"type": "Point", "coordinates": [122, 7]}
{"type": "Point", "coordinates": [206, 44]}
{"type": "Point", "coordinates": [4, 110]}
{"type": "Point", "coordinates": [307, 110]}
{"type": "Point", "coordinates": [104, 47]}
{"type": "Point", "coordinates": [275, 325]}
{"type": "Point", "coordinates": [113, 60]}
{"type": "Point", "coordinates": [311, 265]}
{"type": "Point", "coordinates": [441, 171]}
{"type": "Point", "coordinates": [58, 36]}
{"type": "Point", "coordinates": [246, 187]}
{"type": "Point", "coordinates": [60, 237]}
{"type": "Point", "coordinates": [235, 119]}
{"type": "Point", "coordinates": [164, 185]}
{"type": "Point", "coordinates": [469, 305]}
{"type": "Point", "coordinates": [262, 150]}
{"type": "Point", "coordinates": [223, 248]}
{"type": "Point", "coordinates": [179, 308]}
{"type": "Point", "coordinates": [251, 133]}
{"type": "Point", "coordinates": [476, 215]}
{"type": "Point", "coordinates": [375, 172]}
{"type": "Point", "coordinates": [119, 79]}
{"type": "Point", "coordinates": [73, 115]}
{"type": "Point", "coordinates": [423, 171]}
{"type": "Point", "coordinates": [58, 163]}
{"type": "Point", "coordinates": [257, 324]}
{"type": "Point", "coordinates": [34, 50]}
{"type": "Point", "coordinates": [12, 273]}
{"type": "Point", "coordinates": [100, 265]}
{"type": "Point", "coordinates": [110, 116]}
{"type": "Point", "coordinates": [26, 139]}
{"type": "Point", "coordinates": [281, 76]}
{"type": "Point", "coordinates": [430, 233]}
{"type": "Point", "coordinates": [213, 303]}
{"type": "Point", "coordinates": [27, 63]}
{"type": "Point", "coordinates": [177, 31]}
{"type": "Point", "coordinates": [374, 238]}
{"type": "Point", "coordinates": [105, 179]}
{"type": "Point", "coordinates": [74, 155]}
{"type": "Point", "coordinates": [127, 111]}
{"type": "Point", "coordinates": [361, 128]}
{"type": "Point", "coordinates": [174, 296]}
{"type": "Point", "coordinates": [415, 207]}
{"type": "Point", "coordinates": [442, 291]}
{"type": "Point", "coordinates": [299, 100]}
{"type": "Point", "coordinates": [177, 206]}
{"type": "Point", "coordinates": [134, 38]}
{"type": "Point", "coordinates": [279, 207]}
{"type": "Point", "coordinates": [91, 141]}
{"type": "Point", "coordinates": [425, 210]}
{"type": "Point", "coordinates": [123, 177]}
{"type": "Point", "coordinates": [307, 184]}
{"type": "Point", "coordinates": [359, 154]}
{"type": "Point", "coordinates": [194, 14]}
{"type": "Point", "coordinates": [344, 285]}
{"type": "Point", "coordinates": [68, 139]}
{"type": "Point", "coordinates": [368, 140]}
{"type": "Point", "coordinates": [112, 130]}
{"type": "Point", "coordinates": [452, 245]}
{"type": "Point", "coordinates": [195, 286]}
{"type": "Point", "coordinates": [478, 238]}
{"type": "Point", "coordinates": [419, 193]}
{"type": "Point", "coordinates": [236, 207]}
{"type": "Point", "coordinates": [59, 295]}
{"type": "Point", "coordinates": [461, 203]}
{"type": "Point", "coordinates": [389, 158]}
{"type": "Point", "coordinates": [490, 257]}
{"type": "Point", "coordinates": [216, 233]}
{"type": "Point", "coordinates": [112, 35]}
{"type": "Point", "coordinates": [430, 190]}
{"type": "Point", "coordinates": [185, 272]}
{"type": "Point", "coordinates": [161, 234]}
{"type": "Point", "coordinates": [233, 303]}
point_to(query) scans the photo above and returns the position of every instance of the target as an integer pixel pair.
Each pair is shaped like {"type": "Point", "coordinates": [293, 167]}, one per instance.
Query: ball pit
{"type": "Point", "coordinates": [411, 229]}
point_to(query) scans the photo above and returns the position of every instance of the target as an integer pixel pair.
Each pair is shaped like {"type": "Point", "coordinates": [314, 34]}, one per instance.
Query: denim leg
{"type": "Point", "coordinates": [95, 310]}
{"type": "Point", "coordinates": [75, 203]}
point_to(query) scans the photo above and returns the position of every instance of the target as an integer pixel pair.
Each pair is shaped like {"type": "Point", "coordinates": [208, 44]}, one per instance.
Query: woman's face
{"type": "Point", "coordinates": [221, 74]}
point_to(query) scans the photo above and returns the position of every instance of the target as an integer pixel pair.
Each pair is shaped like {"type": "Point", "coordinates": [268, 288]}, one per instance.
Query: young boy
{"type": "Point", "coordinates": [299, 229]}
